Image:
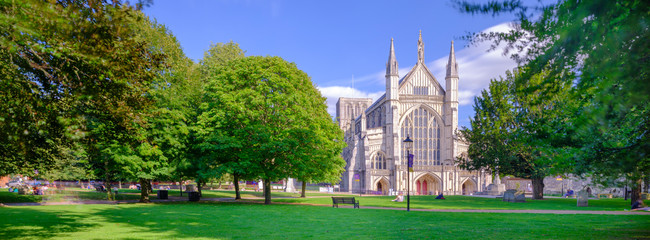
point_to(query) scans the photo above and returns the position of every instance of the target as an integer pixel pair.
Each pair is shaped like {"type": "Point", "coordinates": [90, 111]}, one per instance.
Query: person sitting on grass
{"type": "Point", "coordinates": [440, 197]}
{"type": "Point", "coordinates": [399, 198]}
{"type": "Point", "coordinates": [639, 206]}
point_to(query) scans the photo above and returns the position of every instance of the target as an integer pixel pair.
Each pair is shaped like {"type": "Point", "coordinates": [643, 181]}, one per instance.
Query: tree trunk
{"type": "Point", "coordinates": [180, 187]}
{"type": "Point", "coordinates": [636, 191]}
{"type": "Point", "coordinates": [267, 191]}
{"type": "Point", "coordinates": [107, 179]}
{"type": "Point", "coordinates": [219, 187]}
{"type": "Point", "coordinates": [199, 187]}
{"type": "Point", "coordinates": [646, 182]}
{"type": "Point", "coordinates": [538, 188]}
{"type": "Point", "coordinates": [304, 187]}
{"type": "Point", "coordinates": [150, 187]}
{"type": "Point", "coordinates": [144, 191]}
{"type": "Point", "coordinates": [236, 181]}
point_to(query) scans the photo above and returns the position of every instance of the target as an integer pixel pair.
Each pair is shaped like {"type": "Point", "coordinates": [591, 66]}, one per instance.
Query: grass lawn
{"type": "Point", "coordinates": [10, 197]}
{"type": "Point", "coordinates": [467, 202]}
{"type": "Point", "coordinates": [423, 202]}
{"type": "Point", "coordinates": [130, 194]}
{"type": "Point", "coordinates": [249, 194]}
{"type": "Point", "coordinates": [62, 195]}
{"type": "Point", "coordinates": [257, 221]}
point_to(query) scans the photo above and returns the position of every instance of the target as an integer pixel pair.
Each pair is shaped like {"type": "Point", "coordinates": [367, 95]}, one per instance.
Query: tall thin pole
{"type": "Point", "coordinates": [408, 182]}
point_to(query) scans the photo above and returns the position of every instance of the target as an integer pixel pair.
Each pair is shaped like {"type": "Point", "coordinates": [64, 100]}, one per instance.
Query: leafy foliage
{"type": "Point", "coordinates": [66, 66]}
{"type": "Point", "coordinates": [599, 48]}
{"type": "Point", "coordinates": [516, 129]}
{"type": "Point", "coordinates": [259, 113]}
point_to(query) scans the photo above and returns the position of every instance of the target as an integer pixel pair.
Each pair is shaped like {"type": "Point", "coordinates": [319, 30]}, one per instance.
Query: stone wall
{"type": "Point", "coordinates": [553, 185]}
{"type": "Point", "coordinates": [520, 184]}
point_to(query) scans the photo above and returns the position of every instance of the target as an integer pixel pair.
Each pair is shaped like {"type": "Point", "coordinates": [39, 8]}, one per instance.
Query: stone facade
{"type": "Point", "coordinates": [414, 105]}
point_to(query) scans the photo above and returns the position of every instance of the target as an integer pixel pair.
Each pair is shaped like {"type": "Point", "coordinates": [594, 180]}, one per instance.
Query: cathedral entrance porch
{"type": "Point", "coordinates": [468, 187]}
{"type": "Point", "coordinates": [427, 184]}
{"type": "Point", "coordinates": [382, 186]}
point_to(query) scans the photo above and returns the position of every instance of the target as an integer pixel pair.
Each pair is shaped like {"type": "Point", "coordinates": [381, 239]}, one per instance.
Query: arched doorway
{"type": "Point", "coordinates": [427, 185]}
{"type": "Point", "coordinates": [469, 187]}
{"type": "Point", "coordinates": [382, 186]}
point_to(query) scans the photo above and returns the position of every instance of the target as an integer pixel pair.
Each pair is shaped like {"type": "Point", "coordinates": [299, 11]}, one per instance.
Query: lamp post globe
{"type": "Point", "coordinates": [407, 144]}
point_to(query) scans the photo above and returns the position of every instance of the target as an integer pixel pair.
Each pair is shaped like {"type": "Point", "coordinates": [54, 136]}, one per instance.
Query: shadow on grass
{"type": "Point", "coordinates": [23, 223]}
{"type": "Point", "coordinates": [11, 197]}
{"type": "Point", "coordinates": [258, 221]}
{"type": "Point", "coordinates": [187, 219]}
{"type": "Point", "coordinates": [226, 220]}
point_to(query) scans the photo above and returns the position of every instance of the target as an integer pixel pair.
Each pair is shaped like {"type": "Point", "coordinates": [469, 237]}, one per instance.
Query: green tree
{"type": "Point", "coordinates": [202, 167]}
{"type": "Point", "coordinates": [603, 44]}
{"type": "Point", "coordinates": [316, 151]}
{"type": "Point", "coordinates": [518, 130]}
{"type": "Point", "coordinates": [257, 110]}
{"type": "Point", "coordinates": [71, 165]}
{"type": "Point", "coordinates": [488, 135]}
{"type": "Point", "coordinates": [66, 65]}
{"type": "Point", "coordinates": [218, 55]}
{"type": "Point", "coordinates": [165, 140]}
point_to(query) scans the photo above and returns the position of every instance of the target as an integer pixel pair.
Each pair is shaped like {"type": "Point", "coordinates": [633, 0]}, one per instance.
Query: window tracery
{"type": "Point", "coordinates": [378, 161]}
{"type": "Point", "coordinates": [422, 127]}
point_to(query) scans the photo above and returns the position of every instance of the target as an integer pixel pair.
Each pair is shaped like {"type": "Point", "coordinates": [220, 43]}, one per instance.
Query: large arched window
{"type": "Point", "coordinates": [422, 126]}
{"type": "Point", "coordinates": [378, 161]}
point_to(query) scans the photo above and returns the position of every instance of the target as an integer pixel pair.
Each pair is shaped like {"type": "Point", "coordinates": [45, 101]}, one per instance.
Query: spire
{"type": "Point", "coordinates": [391, 65]}
{"type": "Point", "coordinates": [452, 66]}
{"type": "Point", "coordinates": [420, 49]}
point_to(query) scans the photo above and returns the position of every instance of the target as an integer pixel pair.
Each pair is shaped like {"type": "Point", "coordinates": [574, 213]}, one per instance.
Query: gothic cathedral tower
{"type": "Point", "coordinates": [415, 105]}
{"type": "Point", "coordinates": [451, 101]}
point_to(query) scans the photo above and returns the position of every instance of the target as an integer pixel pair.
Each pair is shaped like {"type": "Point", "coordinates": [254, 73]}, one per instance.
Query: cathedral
{"type": "Point", "coordinates": [415, 106]}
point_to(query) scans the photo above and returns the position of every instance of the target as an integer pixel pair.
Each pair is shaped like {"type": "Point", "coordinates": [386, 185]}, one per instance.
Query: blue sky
{"type": "Point", "coordinates": [338, 41]}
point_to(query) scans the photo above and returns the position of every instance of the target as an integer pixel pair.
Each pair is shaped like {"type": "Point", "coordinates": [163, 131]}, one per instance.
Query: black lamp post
{"type": "Point", "coordinates": [407, 143]}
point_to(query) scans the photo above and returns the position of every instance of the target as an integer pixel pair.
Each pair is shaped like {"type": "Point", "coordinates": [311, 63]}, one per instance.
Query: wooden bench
{"type": "Point", "coordinates": [344, 200]}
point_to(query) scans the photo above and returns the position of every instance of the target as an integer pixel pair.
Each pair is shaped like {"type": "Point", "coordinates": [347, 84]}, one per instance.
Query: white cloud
{"type": "Point", "coordinates": [476, 66]}
{"type": "Point", "coordinates": [465, 97]}
{"type": "Point", "coordinates": [333, 94]}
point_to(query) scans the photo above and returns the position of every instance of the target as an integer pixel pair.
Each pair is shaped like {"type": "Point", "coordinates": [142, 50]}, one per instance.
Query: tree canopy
{"type": "Point", "coordinates": [259, 113]}
{"type": "Point", "coordinates": [519, 131]}
{"type": "Point", "coordinates": [66, 66]}
{"type": "Point", "coordinates": [600, 49]}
